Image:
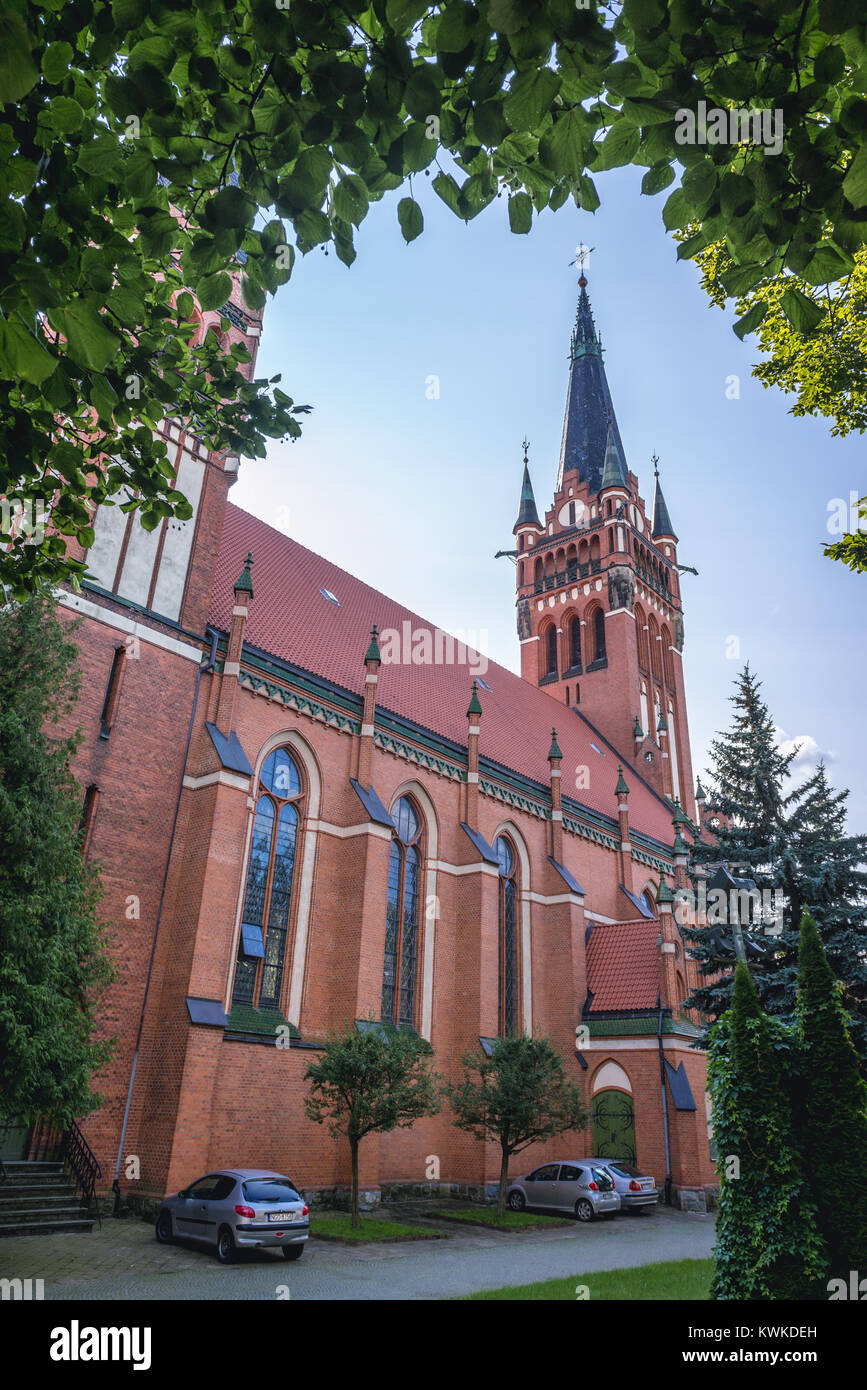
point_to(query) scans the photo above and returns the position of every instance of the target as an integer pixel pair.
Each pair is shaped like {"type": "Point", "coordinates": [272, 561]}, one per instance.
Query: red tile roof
{"type": "Point", "coordinates": [290, 619]}
{"type": "Point", "coordinates": [623, 965]}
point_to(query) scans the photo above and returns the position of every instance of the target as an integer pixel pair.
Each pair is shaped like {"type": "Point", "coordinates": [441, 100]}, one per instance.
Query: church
{"type": "Point", "coordinates": [305, 822]}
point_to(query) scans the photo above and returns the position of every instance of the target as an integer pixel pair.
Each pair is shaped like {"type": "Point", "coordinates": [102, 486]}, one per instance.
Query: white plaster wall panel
{"type": "Point", "coordinates": [169, 590]}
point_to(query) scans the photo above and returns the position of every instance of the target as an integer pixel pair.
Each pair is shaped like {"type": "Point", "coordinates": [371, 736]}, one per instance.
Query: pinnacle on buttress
{"type": "Point", "coordinates": [527, 513]}
{"type": "Point", "coordinates": [621, 789]}
{"type": "Point", "coordinates": [554, 750]}
{"type": "Point", "coordinates": [661, 520]}
{"type": "Point", "coordinates": [700, 794]}
{"type": "Point", "coordinates": [373, 652]}
{"type": "Point", "coordinates": [475, 705]}
{"type": "Point", "coordinates": [664, 894]}
{"type": "Point", "coordinates": [244, 583]}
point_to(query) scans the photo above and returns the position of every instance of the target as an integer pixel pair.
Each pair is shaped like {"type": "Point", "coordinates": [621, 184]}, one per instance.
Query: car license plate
{"type": "Point", "coordinates": [283, 1216]}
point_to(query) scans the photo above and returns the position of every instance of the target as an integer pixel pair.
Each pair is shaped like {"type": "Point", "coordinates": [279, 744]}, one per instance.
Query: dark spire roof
{"type": "Point", "coordinates": [527, 513]}
{"type": "Point", "coordinates": [614, 474]}
{"type": "Point", "coordinates": [244, 584]}
{"type": "Point", "coordinates": [661, 520]}
{"type": "Point", "coordinates": [589, 409]}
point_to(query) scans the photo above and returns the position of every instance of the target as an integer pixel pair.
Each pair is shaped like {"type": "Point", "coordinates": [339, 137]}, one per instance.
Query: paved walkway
{"type": "Point", "coordinates": [123, 1260]}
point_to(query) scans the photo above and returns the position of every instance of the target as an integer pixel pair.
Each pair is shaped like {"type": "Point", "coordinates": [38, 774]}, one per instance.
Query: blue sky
{"type": "Point", "coordinates": [414, 494]}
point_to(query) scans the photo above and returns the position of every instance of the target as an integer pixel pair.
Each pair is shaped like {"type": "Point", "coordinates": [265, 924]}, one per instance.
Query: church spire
{"type": "Point", "coordinates": [589, 408]}
{"type": "Point", "coordinates": [661, 520]}
{"type": "Point", "coordinates": [527, 513]}
{"type": "Point", "coordinates": [613, 474]}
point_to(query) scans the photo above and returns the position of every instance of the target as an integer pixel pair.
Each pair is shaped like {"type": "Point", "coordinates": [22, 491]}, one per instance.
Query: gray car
{"type": "Point", "coordinates": [581, 1186]}
{"type": "Point", "coordinates": [637, 1190]}
{"type": "Point", "coordinates": [236, 1209]}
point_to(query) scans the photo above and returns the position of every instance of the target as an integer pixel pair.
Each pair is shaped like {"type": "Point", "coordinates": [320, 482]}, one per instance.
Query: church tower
{"type": "Point", "coordinates": [598, 589]}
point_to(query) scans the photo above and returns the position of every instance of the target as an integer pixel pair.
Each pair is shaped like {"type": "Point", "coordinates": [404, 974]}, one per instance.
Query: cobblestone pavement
{"type": "Point", "coordinates": [123, 1260]}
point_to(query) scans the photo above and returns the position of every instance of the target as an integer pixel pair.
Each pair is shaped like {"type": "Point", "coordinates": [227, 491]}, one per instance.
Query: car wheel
{"type": "Point", "coordinates": [163, 1230]}
{"type": "Point", "coordinates": [584, 1210]}
{"type": "Point", "coordinates": [293, 1252]}
{"type": "Point", "coordinates": [225, 1246]}
{"type": "Point", "coordinates": [517, 1201]}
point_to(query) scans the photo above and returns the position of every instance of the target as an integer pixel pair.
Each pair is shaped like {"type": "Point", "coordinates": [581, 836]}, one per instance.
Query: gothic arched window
{"type": "Point", "coordinates": [575, 642]}
{"type": "Point", "coordinates": [401, 919]}
{"type": "Point", "coordinates": [507, 1015]}
{"type": "Point", "coordinates": [551, 651]}
{"type": "Point", "coordinates": [599, 634]}
{"type": "Point", "coordinates": [268, 895]}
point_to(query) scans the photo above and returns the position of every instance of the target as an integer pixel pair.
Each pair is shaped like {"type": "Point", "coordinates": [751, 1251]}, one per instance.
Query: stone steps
{"type": "Point", "coordinates": [37, 1199]}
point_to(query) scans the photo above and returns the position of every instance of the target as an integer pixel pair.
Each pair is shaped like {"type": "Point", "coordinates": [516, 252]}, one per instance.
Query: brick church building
{"type": "Point", "coordinates": [307, 812]}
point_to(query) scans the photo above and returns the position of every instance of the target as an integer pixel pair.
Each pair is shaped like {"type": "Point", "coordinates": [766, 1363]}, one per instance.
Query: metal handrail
{"type": "Point", "coordinates": [77, 1153]}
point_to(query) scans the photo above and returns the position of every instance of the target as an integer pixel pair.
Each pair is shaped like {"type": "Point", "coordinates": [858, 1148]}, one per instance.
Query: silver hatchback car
{"type": "Point", "coordinates": [637, 1190]}
{"type": "Point", "coordinates": [580, 1185]}
{"type": "Point", "coordinates": [236, 1209]}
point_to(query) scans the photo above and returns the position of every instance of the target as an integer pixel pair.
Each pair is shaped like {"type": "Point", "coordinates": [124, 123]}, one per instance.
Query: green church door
{"type": "Point", "coordinates": [614, 1126]}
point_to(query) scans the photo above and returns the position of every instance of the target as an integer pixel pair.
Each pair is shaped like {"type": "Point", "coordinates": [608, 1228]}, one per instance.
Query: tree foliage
{"type": "Point", "coordinates": [371, 1081]}
{"type": "Point", "coordinates": [516, 1097]}
{"type": "Point", "coordinates": [126, 122]}
{"type": "Point", "coordinates": [768, 1242]}
{"type": "Point", "coordinates": [53, 954]}
{"type": "Point", "coordinates": [832, 1113]}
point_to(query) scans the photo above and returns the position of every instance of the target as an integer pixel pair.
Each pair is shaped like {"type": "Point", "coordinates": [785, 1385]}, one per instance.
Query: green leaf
{"type": "Point", "coordinates": [402, 14]}
{"type": "Point", "coordinates": [657, 178]}
{"type": "Point", "coordinates": [56, 62]}
{"type": "Point", "coordinates": [529, 97]}
{"type": "Point", "coordinates": [409, 215]}
{"type": "Point", "coordinates": [102, 155]}
{"type": "Point", "coordinates": [18, 72]}
{"type": "Point", "coordinates": [91, 342]}
{"type": "Point", "coordinates": [349, 199]}
{"type": "Point", "coordinates": [855, 182]}
{"type": "Point", "coordinates": [750, 320]}
{"type": "Point", "coordinates": [22, 355]}
{"type": "Point", "coordinates": [828, 264]}
{"type": "Point", "coordinates": [213, 291]}
{"type": "Point", "coordinates": [677, 212]}
{"type": "Point", "coordinates": [802, 312]}
{"type": "Point", "coordinates": [62, 115]}
{"type": "Point", "coordinates": [619, 146]}
{"type": "Point", "coordinates": [520, 213]}
{"type": "Point", "coordinates": [563, 147]}
{"type": "Point", "coordinates": [446, 188]}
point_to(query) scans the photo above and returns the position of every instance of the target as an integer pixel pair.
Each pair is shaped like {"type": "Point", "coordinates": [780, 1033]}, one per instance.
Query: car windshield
{"type": "Point", "coordinates": [270, 1190]}
{"type": "Point", "coordinates": [624, 1171]}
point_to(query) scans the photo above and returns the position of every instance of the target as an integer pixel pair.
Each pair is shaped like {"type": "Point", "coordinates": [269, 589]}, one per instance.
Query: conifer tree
{"type": "Point", "coordinates": [832, 1108]}
{"type": "Point", "coordinates": [823, 874]}
{"type": "Point", "coordinates": [53, 962]}
{"type": "Point", "coordinates": [768, 1241]}
{"type": "Point", "coordinates": [749, 804]}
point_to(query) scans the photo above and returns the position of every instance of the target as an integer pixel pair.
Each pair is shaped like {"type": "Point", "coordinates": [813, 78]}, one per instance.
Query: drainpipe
{"type": "Point", "coordinates": [203, 669]}
{"type": "Point", "coordinates": [668, 1179]}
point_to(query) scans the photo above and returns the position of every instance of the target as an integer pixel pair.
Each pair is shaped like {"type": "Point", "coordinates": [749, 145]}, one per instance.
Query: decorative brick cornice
{"type": "Point", "coordinates": [293, 699]}
{"type": "Point", "coordinates": [420, 756]}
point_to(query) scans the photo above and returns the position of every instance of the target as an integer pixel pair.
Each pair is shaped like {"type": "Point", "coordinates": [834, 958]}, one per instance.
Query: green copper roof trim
{"type": "Point", "coordinates": [638, 1025]}
{"type": "Point", "coordinates": [665, 894]}
{"type": "Point", "coordinates": [475, 705]}
{"type": "Point", "coordinates": [373, 653]}
{"type": "Point", "coordinates": [637, 731]}
{"type": "Point", "coordinates": [680, 845]}
{"type": "Point", "coordinates": [554, 751]}
{"type": "Point", "coordinates": [244, 584]}
{"type": "Point", "coordinates": [264, 1022]}
{"type": "Point", "coordinates": [700, 794]}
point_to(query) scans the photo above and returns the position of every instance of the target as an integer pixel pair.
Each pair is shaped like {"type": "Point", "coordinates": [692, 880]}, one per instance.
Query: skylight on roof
{"type": "Point", "coordinates": [597, 750]}
{"type": "Point", "coordinates": [332, 598]}
{"type": "Point", "coordinates": [484, 685]}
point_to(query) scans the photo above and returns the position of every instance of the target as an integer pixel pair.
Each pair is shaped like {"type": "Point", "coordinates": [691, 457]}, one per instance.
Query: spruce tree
{"type": "Point", "coordinates": [823, 874]}
{"type": "Point", "coordinates": [53, 962]}
{"type": "Point", "coordinates": [749, 804]}
{"type": "Point", "coordinates": [832, 1109]}
{"type": "Point", "coordinates": [768, 1241]}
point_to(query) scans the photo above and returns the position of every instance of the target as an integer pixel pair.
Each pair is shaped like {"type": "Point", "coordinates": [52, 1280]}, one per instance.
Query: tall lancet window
{"type": "Point", "coordinates": [508, 944]}
{"type": "Point", "coordinates": [402, 915]}
{"type": "Point", "coordinates": [266, 917]}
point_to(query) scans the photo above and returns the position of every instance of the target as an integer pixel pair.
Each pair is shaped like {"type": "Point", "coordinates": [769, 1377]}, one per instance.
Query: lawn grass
{"type": "Point", "coordinates": [336, 1226]}
{"type": "Point", "coordinates": [671, 1281]}
{"type": "Point", "coordinates": [511, 1221]}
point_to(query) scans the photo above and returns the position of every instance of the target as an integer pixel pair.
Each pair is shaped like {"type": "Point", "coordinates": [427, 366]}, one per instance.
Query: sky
{"type": "Point", "coordinates": [426, 365]}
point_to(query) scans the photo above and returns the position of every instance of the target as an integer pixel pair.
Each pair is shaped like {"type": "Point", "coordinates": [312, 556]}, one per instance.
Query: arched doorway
{"type": "Point", "coordinates": [614, 1126]}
